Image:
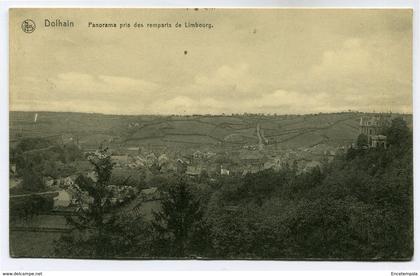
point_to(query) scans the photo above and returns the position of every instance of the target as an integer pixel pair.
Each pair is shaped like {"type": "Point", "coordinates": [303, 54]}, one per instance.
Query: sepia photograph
{"type": "Point", "coordinates": [211, 133]}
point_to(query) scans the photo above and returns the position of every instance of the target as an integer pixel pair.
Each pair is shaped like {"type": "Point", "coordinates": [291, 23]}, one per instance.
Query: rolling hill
{"type": "Point", "coordinates": [195, 131]}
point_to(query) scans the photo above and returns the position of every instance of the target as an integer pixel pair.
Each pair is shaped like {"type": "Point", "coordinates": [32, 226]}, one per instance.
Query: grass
{"type": "Point", "coordinates": [30, 244]}
{"type": "Point", "coordinates": [196, 131]}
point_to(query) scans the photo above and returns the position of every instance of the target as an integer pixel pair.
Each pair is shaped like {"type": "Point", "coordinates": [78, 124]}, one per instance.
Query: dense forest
{"type": "Point", "coordinates": [357, 207]}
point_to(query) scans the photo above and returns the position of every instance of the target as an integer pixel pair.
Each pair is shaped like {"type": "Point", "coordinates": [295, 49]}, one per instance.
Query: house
{"type": "Point", "coordinates": [12, 169]}
{"type": "Point", "coordinates": [120, 160]}
{"type": "Point", "coordinates": [67, 138]}
{"type": "Point", "coordinates": [378, 141]}
{"type": "Point", "coordinates": [162, 160]}
{"type": "Point", "coordinates": [93, 176]}
{"type": "Point", "coordinates": [63, 199]}
{"type": "Point", "coordinates": [168, 167]}
{"type": "Point", "coordinates": [252, 158]}
{"type": "Point", "coordinates": [224, 171]}
{"type": "Point", "coordinates": [210, 155]}
{"type": "Point", "coordinates": [137, 162]}
{"type": "Point", "coordinates": [67, 181]}
{"type": "Point", "coordinates": [133, 149]}
{"type": "Point", "coordinates": [193, 170]}
{"type": "Point", "coordinates": [373, 127]}
{"type": "Point", "coordinates": [198, 155]}
{"type": "Point", "coordinates": [311, 165]}
{"type": "Point", "coordinates": [15, 182]}
{"type": "Point", "coordinates": [49, 181]}
{"type": "Point", "coordinates": [275, 163]}
{"type": "Point", "coordinates": [250, 170]}
{"type": "Point", "coordinates": [151, 159]}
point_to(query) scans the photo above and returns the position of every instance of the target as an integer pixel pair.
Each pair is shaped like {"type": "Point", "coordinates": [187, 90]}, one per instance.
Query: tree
{"type": "Point", "coordinates": [94, 226]}
{"type": "Point", "coordinates": [179, 224]}
{"type": "Point", "coordinates": [32, 180]}
{"type": "Point", "coordinates": [362, 141]}
{"type": "Point", "coordinates": [398, 133]}
{"type": "Point", "coordinates": [29, 206]}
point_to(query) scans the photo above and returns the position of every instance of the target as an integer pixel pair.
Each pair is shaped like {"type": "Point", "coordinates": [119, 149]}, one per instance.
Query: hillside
{"type": "Point", "coordinates": [215, 132]}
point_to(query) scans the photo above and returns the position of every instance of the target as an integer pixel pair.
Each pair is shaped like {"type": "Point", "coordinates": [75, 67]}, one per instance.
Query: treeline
{"type": "Point", "coordinates": [359, 207]}
{"type": "Point", "coordinates": [36, 158]}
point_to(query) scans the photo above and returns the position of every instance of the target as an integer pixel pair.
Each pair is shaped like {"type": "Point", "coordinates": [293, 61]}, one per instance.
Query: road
{"type": "Point", "coordinates": [32, 194]}
{"type": "Point", "coordinates": [261, 139]}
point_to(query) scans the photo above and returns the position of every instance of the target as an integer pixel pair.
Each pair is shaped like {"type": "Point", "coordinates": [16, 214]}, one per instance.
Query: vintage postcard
{"type": "Point", "coordinates": [276, 134]}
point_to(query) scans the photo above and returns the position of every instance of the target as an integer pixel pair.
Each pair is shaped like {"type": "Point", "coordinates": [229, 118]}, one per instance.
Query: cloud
{"type": "Point", "coordinates": [361, 75]}
{"type": "Point", "coordinates": [225, 81]}
{"type": "Point", "coordinates": [354, 75]}
{"type": "Point", "coordinates": [279, 101]}
{"type": "Point", "coordinates": [282, 61]}
{"type": "Point", "coordinates": [76, 85]}
{"type": "Point", "coordinates": [73, 91]}
{"type": "Point", "coordinates": [346, 63]}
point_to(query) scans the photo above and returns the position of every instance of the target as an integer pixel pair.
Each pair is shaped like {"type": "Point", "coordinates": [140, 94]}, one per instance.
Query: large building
{"type": "Point", "coordinates": [373, 128]}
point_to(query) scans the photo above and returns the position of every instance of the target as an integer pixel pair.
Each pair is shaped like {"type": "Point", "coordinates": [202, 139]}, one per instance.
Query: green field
{"type": "Point", "coordinates": [91, 130]}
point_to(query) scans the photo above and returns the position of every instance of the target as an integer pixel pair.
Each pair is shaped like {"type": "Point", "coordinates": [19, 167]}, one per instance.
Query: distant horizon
{"type": "Point", "coordinates": [212, 114]}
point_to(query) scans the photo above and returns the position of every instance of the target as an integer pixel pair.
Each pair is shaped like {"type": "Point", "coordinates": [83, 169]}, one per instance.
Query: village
{"type": "Point", "coordinates": [139, 171]}
{"type": "Point", "coordinates": [151, 161]}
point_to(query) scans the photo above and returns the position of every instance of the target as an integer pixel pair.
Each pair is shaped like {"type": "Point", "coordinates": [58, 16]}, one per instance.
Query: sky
{"type": "Point", "coordinates": [284, 61]}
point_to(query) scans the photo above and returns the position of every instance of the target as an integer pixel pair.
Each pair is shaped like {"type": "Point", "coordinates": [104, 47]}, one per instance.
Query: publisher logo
{"type": "Point", "coordinates": [28, 26]}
